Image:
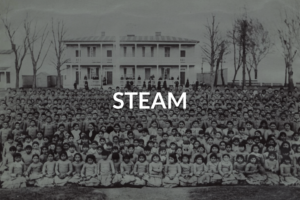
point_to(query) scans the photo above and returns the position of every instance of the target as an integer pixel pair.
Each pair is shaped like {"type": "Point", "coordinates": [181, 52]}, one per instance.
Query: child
{"type": "Point", "coordinates": [63, 170]}
{"type": "Point", "coordinates": [226, 170]}
{"type": "Point", "coordinates": [140, 171]}
{"type": "Point", "coordinates": [7, 160]}
{"type": "Point", "coordinates": [187, 177]}
{"type": "Point", "coordinates": [34, 171]}
{"type": "Point", "coordinates": [77, 167]}
{"type": "Point", "coordinates": [212, 174]}
{"type": "Point", "coordinates": [155, 171]}
{"type": "Point", "coordinates": [27, 156]}
{"type": "Point", "coordinates": [272, 167]}
{"type": "Point", "coordinates": [252, 171]}
{"type": "Point", "coordinates": [239, 169]}
{"type": "Point", "coordinates": [32, 130]}
{"type": "Point", "coordinates": [16, 177]}
{"type": "Point", "coordinates": [105, 170]}
{"type": "Point", "coordinates": [9, 143]}
{"type": "Point", "coordinates": [116, 158]}
{"type": "Point", "coordinates": [200, 169]}
{"type": "Point", "coordinates": [172, 171]}
{"type": "Point", "coordinates": [286, 177]}
{"type": "Point", "coordinates": [126, 169]}
{"type": "Point", "coordinates": [89, 172]}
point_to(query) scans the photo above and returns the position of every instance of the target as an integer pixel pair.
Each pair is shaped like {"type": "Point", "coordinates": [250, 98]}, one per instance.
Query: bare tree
{"type": "Point", "coordinates": [259, 47]}
{"type": "Point", "coordinates": [36, 38]}
{"type": "Point", "coordinates": [237, 61]}
{"type": "Point", "coordinates": [289, 41]}
{"type": "Point", "coordinates": [19, 50]}
{"type": "Point", "coordinates": [211, 48]}
{"type": "Point", "coordinates": [223, 51]}
{"type": "Point", "coordinates": [58, 36]}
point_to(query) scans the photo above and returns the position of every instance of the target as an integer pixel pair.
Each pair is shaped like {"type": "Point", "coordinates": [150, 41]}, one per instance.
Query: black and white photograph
{"type": "Point", "coordinates": [149, 99]}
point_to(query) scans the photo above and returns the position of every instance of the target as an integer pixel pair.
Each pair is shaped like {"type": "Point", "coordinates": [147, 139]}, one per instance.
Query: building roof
{"type": "Point", "coordinates": [133, 38]}
{"type": "Point", "coordinates": [3, 68]}
{"type": "Point", "coordinates": [6, 51]}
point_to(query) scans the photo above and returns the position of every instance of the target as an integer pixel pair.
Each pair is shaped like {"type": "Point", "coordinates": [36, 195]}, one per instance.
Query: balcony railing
{"type": "Point", "coordinates": [133, 60]}
{"type": "Point", "coordinates": [89, 60]}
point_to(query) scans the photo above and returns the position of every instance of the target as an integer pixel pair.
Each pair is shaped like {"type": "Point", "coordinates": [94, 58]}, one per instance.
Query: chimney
{"type": "Point", "coordinates": [102, 33]}
{"type": "Point", "coordinates": [157, 33]}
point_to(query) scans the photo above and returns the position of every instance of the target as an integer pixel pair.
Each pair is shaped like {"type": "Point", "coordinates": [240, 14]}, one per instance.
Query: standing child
{"type": "Point", "coordinates": [155, 171]}
{"type": "Point", "coordinates": [63, 170]}
{"type": "Point", "coordinates": [77, 167]}
{"type": "Point", "coordinates": [89, 172]}
{"type": "Point", "coordinates": [187, 177]}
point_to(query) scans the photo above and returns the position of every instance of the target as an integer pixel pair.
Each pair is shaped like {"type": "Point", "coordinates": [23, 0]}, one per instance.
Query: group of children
{"type": "Point", "coordinates": [224, 136]}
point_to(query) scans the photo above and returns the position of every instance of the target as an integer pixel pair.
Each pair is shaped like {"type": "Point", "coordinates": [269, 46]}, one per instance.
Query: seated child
{"type": "Point", "coordinates": [172, 171]}
{"type": "Point", "coordinates": [187, 177]}
{"type": "Point", "coordinates": [155, 171]}
{"type": "Point", "coordinates": [89, 172]}
{"type": "Point", "coordinates": [63, 170]}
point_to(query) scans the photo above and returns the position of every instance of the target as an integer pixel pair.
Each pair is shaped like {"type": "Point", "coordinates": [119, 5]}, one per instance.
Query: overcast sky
{"type": "Point", "coordinates": [181, 18]}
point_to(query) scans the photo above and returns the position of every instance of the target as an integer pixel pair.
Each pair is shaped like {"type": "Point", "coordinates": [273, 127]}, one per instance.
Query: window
{"type": "Point", "coordinates": [143, 49]}
{"type": "Point", "coordinates": [133, 51]}
{"type": "Point", "coordinates": [77, 53]}
{"type": "Point", "coordinates": [147, 73]}
{"type": "Point", "coordinates": [109, 53]}
{"type": "Point", "coordinates": [91, 51]}
{"type": "Point", "coordinates": [165, 73]}
{"type": "Point", "coordinates": [93, 73]}
{"type": "Point", "coordinates": [125, 72]}
{"type": "Point", "coordinates": [7, 77]}
{"type": "Point", "coordinates": [182, 53]}
{"type": "Point", "coordinates": [125, 49]}
{"type": "Point", "coordinates": [152, 51]}
{"type": "Point", "coordinates": [167, 51]}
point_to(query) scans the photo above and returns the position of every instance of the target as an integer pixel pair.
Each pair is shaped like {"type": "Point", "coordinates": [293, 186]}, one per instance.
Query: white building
{"type": "Point", "coordinates": [110, 61]}
{"type": "Point", "coordinates": [7, 69]}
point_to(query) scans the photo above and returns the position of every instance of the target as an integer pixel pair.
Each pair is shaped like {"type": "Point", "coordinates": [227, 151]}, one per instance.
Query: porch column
{"type": "Point", "coordinates": [179, 80]}
{"type": "Point", "coordinates": [101, 49]}
{"type": "Point", "coordinates": [156, 74]}
{"type": "Point", "coordinates": [135, 76]}
{"type": "Point", "coordinates": [79, 54]}
{"type": "Point", "coordinates": [72, 75]}
{"type": "Point", "coordinates": [101, 75]}
{"type": "Point", "coordinates": [157, 50]}
{"type": "Point", "coordinates": [79, 71]}
{"type": "Point", "coordinates": [179, 53]}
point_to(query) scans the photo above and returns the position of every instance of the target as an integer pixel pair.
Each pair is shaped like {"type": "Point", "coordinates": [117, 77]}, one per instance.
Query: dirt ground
{"type": "Point", "coordinates": [146, 193]}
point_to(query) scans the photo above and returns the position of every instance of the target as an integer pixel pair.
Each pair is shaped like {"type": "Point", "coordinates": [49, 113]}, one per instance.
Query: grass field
{"type": "Point", "coordinates": [146, 193]}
